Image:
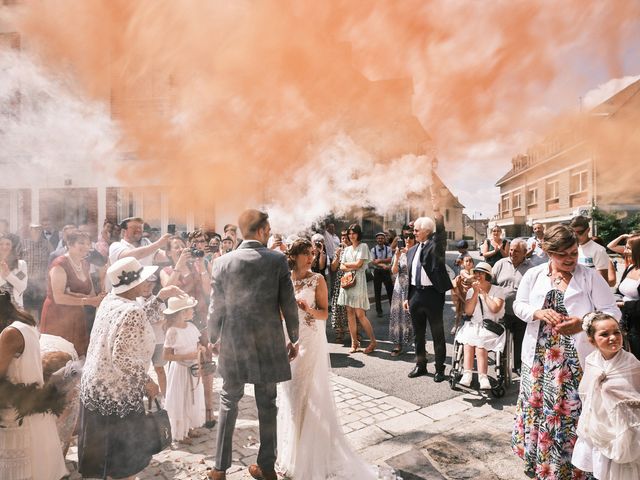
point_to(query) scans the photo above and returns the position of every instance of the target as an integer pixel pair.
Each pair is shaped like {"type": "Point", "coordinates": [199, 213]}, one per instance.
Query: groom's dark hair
{"type": "Point", "coordinates": [250, 221]}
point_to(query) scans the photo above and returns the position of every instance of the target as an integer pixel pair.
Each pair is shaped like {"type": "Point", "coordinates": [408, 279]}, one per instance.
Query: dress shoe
{"type": "Point", "coordinates": [418, 371]}
{"type": "Point", "coordinates": [439, 377]}
{"type": "Point", "coordinates": [256, 472]}
{"type": "Point", "coordinates": [216, 474]}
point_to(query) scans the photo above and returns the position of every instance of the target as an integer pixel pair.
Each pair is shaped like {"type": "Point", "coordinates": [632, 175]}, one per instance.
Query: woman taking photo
{"type": "Point", "coordinates": [495, 248]}
{"type": "Point", "coordinates": [338, 312]}
{"type": "Point", "coordinates": [356, 298]}
{"type": "Point", "coordinates": [69, 290]}
{"type": "Point", "coordinates": [115, 380]}
{"type": "Point", "coordinates": [552, 299]}
{"type": "Point", "coordinates": [29, 449]}
{"type": "Point", "coordinates": [400, 326]}
{"type": "Point", "coordinates": [13, 272]}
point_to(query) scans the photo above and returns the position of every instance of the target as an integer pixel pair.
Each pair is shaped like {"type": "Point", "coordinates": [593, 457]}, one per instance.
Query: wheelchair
{"type": "Point", "coordinates": [502, 363]}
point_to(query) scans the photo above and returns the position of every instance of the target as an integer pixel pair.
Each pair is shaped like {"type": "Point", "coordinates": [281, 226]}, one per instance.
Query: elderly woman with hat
{"type": "Point", "coordinates": [115, 377]}
{"type": "Point", "coordinates": [484, 301]}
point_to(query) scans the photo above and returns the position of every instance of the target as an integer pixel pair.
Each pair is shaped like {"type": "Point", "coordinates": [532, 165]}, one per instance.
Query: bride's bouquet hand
{"type": "Point", "coordinates": [303, 305]}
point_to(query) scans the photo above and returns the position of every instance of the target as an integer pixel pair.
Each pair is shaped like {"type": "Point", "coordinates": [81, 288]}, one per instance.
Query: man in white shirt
{"type": "Point", "coordinates": [590, 254]}
{"type": "Point", "coordinates": [534, 245]}
{"type": "Point", "coordinates": [381, 264]}
{"type": "Point", "coordinates": [134, 245]}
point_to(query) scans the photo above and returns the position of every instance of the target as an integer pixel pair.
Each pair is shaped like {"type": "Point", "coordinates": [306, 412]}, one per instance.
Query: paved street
{"type": "Point", "coordinates": [421, 429]}
{"type": "Point", "coordinates": [461, 438]}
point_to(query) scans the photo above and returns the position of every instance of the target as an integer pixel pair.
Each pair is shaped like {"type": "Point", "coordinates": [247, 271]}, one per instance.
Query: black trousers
{"type": "Point", "coordinates": [381, 277]}
{"type": "Point", "coordinates": [517, 328]}
{"type": "Point", "coordinates": [426, 305]}
{"type": "Point", "coordinates": [230, 395]}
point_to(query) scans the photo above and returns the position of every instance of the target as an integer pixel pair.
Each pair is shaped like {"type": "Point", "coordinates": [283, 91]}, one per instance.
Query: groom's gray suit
{"type": "Point", "coordinates": [251, 286]}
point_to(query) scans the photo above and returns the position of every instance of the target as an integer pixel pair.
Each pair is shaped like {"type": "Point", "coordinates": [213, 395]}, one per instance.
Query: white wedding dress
{"type": "Point", "coordinates": [311, 443]}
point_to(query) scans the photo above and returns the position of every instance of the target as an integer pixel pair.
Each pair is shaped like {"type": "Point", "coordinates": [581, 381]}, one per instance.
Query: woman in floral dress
{"type": "Point", "coordinates": [400, 327]}
{"type": "Point", "coordinates": [339, 312]}
{"type": "Point", "coordinates": [552, 299]}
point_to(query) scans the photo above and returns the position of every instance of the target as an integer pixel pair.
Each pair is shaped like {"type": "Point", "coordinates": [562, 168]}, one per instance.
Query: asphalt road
{"type": "Point", "coordinates": [389, 374]}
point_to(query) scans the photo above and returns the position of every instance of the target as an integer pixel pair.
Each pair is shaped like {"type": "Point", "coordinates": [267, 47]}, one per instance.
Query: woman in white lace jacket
{"type": "Point", "coordinates": [115, 379]}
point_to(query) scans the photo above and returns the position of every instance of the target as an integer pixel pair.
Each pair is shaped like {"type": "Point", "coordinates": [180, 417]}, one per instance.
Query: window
{"type": "Point", "coordinates": [446, 215]}
{"type": "Point", "coordinates": [451, 235]}
{"type": "Point", "coordinates": [506, 203]}
{"type": "Point", "coordinates": [517, 200]}
{"type": "Point", "coordinates": [532, 196]}
{"type": "Point", "coordinates": [579, 181]}
{"type": "Point", "coordinates": [553, 190]}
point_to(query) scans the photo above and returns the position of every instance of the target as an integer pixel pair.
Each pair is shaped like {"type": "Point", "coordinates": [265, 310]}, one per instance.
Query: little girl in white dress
{"type": "Point", "coordinates": [608, 441]}
{"type": "Point", "coordinates": [185, 396]}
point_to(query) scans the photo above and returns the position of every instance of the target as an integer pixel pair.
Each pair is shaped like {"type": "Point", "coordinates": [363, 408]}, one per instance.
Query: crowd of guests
{"type": "Point", "coordinates": [152, 293]}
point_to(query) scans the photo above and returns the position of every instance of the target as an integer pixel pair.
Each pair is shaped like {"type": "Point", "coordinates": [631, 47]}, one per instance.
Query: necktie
{"type": "Point", "coordinates": [418, 272]}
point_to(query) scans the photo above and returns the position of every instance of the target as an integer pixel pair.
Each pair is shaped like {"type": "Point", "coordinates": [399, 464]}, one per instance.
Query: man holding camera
{"type": "Point", "coordinates": [382, 256]}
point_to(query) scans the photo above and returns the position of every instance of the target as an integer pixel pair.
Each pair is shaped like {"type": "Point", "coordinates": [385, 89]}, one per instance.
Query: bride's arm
{"type": "Point", "coordinates": [321, 312]}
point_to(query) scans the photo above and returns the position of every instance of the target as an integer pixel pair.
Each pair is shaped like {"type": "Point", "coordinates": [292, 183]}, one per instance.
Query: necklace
{"type": "Point", "coordinates": [77, 268]}
{"type": "Point", "coordinates": [559, 278]}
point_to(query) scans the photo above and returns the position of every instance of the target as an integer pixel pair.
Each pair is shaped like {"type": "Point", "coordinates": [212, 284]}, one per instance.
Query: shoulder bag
{"type": "Point", "coordinates": [348, 280]}
{"type": "Point", "coordinates": [491, 325]}
{"type": "Point", "coordinates": [157, 430]}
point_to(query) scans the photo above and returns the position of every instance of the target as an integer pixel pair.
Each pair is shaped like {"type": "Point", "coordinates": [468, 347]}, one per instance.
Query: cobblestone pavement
{"type": "Point", "coordinates": [460, 438]}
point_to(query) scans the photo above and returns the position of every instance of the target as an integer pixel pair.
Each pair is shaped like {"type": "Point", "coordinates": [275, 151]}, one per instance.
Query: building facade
{"type": "Point", "coordinates": [566, 175]}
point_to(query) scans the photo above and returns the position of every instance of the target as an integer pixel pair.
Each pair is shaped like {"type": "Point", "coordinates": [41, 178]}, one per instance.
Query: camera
{"type": "Point", "coordinates": [214, 248]}
{"type": "Point", "coordinates": [401, 243]}
{"type": "Point", "coordinates": [196, 253]}
{"type": "Point", "coordinates": [171, 228]}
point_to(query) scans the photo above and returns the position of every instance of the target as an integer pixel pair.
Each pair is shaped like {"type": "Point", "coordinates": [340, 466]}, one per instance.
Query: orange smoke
{"type": "Point", "coordinates": [234, 98]}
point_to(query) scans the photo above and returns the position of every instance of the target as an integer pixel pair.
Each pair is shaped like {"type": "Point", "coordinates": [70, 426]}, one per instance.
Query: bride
{"type": "Point", "coordinates": [311, 444]}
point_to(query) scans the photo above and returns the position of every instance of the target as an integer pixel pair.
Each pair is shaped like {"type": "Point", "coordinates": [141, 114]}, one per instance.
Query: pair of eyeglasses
{"type": "Point", "coordinates": [580, 232]}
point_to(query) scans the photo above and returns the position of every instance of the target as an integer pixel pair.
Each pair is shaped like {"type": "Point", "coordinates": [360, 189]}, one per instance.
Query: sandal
{"type": "Point", "coordinates": [397, 350]}
{"type": "Point", "coordinates": [210, 421]}
{"type": "Point", "coordinates": [372, 346]}
{"type": "Point", "coordinates": [355, 347]}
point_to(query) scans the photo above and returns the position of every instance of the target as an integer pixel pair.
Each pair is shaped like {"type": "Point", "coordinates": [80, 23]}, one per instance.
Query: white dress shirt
{"type": "Point", "coordinates": [424, 278]}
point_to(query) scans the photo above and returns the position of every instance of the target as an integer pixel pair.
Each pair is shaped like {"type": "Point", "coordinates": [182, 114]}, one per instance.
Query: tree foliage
{"type": "Point", "coordinates": [609, 225]}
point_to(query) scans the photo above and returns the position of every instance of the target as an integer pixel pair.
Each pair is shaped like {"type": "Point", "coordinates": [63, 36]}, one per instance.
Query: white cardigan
{"type": "Point", "coordinates": [587, 291]}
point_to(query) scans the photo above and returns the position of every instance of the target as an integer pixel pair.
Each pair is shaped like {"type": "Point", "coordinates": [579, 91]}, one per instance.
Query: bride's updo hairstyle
{"type": "Point", "coordinates": [301, 245]}
{"type": "Point", "coordinates": [558, 239]}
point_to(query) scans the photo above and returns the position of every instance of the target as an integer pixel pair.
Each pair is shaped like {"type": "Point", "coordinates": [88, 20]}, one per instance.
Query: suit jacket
{"type": "Point", "coordinates": [251, 286]}
{"type": "Point", "coordinates": [432, 258]}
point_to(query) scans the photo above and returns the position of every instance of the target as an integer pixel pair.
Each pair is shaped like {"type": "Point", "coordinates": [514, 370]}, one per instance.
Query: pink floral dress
{"type": "Point", "coordinates": [548, 406]}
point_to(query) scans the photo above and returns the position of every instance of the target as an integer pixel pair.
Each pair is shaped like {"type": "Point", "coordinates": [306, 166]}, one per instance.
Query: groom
{"type": "Point", "coordinates": [251, 287]}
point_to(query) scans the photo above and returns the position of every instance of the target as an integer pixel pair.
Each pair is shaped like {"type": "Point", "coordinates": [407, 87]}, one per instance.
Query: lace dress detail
{"type": "Point", "coordinates": [302, 286]}
{"type": "Point", "coordinates": [115, 372]}
{"type": "Point", "coordinates": [311, 443]}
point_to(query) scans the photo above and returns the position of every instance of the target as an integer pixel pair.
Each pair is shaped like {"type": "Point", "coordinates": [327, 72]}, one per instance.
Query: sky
{"type": "Point", "coordinates": [485, 163]}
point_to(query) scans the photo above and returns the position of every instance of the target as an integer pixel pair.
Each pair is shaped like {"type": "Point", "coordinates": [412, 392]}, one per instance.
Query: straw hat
{"type": "Point", "coordinates": [175, 304]}
{"type": "Point", "coordinates": [127, 273]}
{"type": "Point", "coordinates": [483, 267]}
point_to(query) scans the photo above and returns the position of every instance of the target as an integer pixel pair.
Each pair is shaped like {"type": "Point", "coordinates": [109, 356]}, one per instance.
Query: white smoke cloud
{"type": "Point", "coordinates": [47, 132]}
{"type": "Point", "coordinates": [342, 176]}
{"type": "Point", "coordinates": [607, 90]}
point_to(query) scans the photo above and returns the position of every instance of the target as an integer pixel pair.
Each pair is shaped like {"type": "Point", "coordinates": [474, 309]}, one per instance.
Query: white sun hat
{"type": "Point", "coordinates": [127, 273]}
{"type": "Point", "coordinates": [182, 302]}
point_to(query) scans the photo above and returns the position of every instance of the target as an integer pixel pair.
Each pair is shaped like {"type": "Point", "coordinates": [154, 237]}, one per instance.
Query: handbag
{"type": "Point", "coordinates": [491, 325]}
{"type": "Point", "coordinates": [202, 368]}
{"type": "Point", "coordinates": [157, 430]}
{"type": "Point", "coordinates": [348, 280]}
